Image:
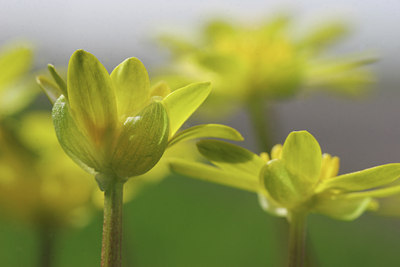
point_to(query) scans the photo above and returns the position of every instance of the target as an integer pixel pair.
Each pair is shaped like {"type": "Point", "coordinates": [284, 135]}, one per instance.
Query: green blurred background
{"type": "Point", "coordinates": [184, 222]}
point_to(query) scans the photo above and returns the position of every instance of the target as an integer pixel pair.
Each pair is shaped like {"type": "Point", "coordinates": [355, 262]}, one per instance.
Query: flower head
{"type": "Point", "coordinates": [117, 125]}
{"type": "Point", "coordinates": [296, 177]}
{"type": "Point", "coordinates": [267, 61]}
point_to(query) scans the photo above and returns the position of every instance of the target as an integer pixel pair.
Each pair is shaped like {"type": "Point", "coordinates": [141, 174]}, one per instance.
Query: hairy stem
{"type": "Point", "coordinates": [111, 252]}
{"type": "Point", "coordinates": [297, 235]}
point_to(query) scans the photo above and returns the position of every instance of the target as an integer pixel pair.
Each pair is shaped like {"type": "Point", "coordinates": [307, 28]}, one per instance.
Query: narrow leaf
{"type": "Point", "coordinates": [211, 174]}
{"type": "Point", "coordinates": [57, 78]}
{"type": "Point", "coordinates": [207, 130]}
{"type": "Point", "coordinates": [181, 103]}
{"type": "Point", "coordinates": [363, 180]}
{"type": "Point", "coordinates": [378, 193]}
{"type": "Point", "coordinates": [52, 91]}
{"type": "Point", "coordinates": [231, 157]}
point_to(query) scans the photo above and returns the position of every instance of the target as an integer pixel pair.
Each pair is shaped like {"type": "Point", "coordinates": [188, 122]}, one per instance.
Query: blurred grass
{"type": "Point", "coordinates": [184, 222]}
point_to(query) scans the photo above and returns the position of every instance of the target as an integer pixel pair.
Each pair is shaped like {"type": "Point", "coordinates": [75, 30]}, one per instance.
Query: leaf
{"type": "Point", "coordinates": [301, 154]}
{"type": "Point", "coordinates": [132, 86]}
{"type": "Point", "coordinates": [231, 157]}
{"type": "Point", "coordinates": [181, 103]}
{"type": "Point", "coordinates": [72, 140]}
{"type": "Point", "coordinates": [60, 82]}
{"type": "Point", "coordinates": [207, 130]}
{"type": "Point", "coordinates": [52, 90]}
{"type": "Point", "coordinates": [280, 184]}
{"type": "Point", "coordinates": [339, 207]}
{"type": "Point", "coordinates": [211, 174]}
{"type": "Point", "coordinates": [91, 96]}
{"type": "Point", "coordinates": [142, 141]}
{"type": "Point", "coordinates": [378, 193]}
{"type": "Point", "coordinates": [363, 180]}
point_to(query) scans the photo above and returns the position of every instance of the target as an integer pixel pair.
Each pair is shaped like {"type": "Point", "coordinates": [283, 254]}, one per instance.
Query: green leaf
{"type": "Point", "coordinates": [363, 180]}
{"type": "Point", "coordinates": [52, 90]}
{"type": "Point", "coordinates": [181, 103]}
{"type": "Point", "coordinates": [231, 157]}
{"type": "Point", "coordinates": [142, 142]}
{"type": "Point", "coordinates": [132, 87]}
{"type": "Point", "coordinates": [339, 207]}
{"type": "Point", "coordinates": [91, 96]}
{"type": "Point", "coordinates": [60, 81]}
{"type": "Point", "coordinates": [301, 154]}
{"type": "Point", "coordinates": [72, 140]}
{"type": "Point", "coordinates": [280, 184]}
{"type": "Point", "coordinates": [14, 62]}
{"type": "Point", "coordinates": [211, 174]}
{"type": "Point", "coordinates": [207, 130]}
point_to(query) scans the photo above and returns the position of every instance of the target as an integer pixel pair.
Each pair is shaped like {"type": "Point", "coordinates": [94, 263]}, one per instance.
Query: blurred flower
{"type": "Point", "coordinates": [116, 126]}
{"type": "Point", "coordinates": [295, 178]}
{"type": "Point", "coordinates": [17, 87]}
{"type": "Point", "coordinates": [267, 61]}
{"type": "Point", "coordinates": [38, 183]}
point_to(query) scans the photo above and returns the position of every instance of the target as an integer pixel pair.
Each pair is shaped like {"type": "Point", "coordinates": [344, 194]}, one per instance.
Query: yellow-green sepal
{"type": "Point", "coordinates": [212, 174]}
{"type": "Point", "coordinates": [14, 62]}
{"type": "Point", "coordinates": [142, 142]}
{"type": "Point", "coordinates": [181, 103]}
{"type": "Point", "coordinates": [72, 140]}
{"type": "Point", "coordinates": [91, 97]}
{"type": "Point", "coordinates": [230, 157]}
{"type": "Point", "coordinates": [207, 130]}
{"type": "Point", "coordinates": [132, 86]}
{"type": "Point", "coordinates": [281, 185]}
{"type": "Point", "coordinates": [363, 180]}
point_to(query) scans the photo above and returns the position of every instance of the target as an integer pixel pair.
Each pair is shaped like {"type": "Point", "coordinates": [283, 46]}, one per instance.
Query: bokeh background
{"type": "Point", "coordinates": [184, 222]}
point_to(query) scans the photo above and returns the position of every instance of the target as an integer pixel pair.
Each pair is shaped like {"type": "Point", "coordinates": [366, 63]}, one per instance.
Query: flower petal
{"type": "Point", "coordinates": [207, 130]}
{"type": "Point", "coordinates": [142, 142]}
{"type": "Point", "coordinates": [230, 157]}
{"type": "Point", "coordinates": [132, 87]}
{"type": "Point", "coordinates": [363, 180]}
{"type": "Point", "coordinates": [14, 62]}
{"type": "Point", "coordinates": [181, 103]}
{"type": "Point", "coordinates": [91, 96]}
{"type": "Point", "coordinates": [74, 143]}
{"type": "Point", "coordinates": [211, 174]}
{"type": "Point", "coordinates": [301, 154]}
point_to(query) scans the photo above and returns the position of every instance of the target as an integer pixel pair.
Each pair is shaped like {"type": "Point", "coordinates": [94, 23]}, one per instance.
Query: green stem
{"type": "Point", "coordinates": [111, 255]}
{"type": "Point", "coordinates": [258, 114]}
{"type": "Point", "coordinates": [297, 235]}
{"type": "Point", "coordinates": [46, 235]}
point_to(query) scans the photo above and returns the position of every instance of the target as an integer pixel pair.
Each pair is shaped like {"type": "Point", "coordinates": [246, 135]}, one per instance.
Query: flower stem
{"type": "Point", "coordinates": [260, 122]}
{"type": "Point", "coordinates": [46, 245]}
{"type": "Point", "coordinates": [297, 235]}
{"type": "Point", "coordinates": [111, 255]}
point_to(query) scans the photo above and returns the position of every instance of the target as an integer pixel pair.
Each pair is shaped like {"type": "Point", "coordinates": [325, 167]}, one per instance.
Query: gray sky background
{"type": "Point", "coordinates": [363, 132]}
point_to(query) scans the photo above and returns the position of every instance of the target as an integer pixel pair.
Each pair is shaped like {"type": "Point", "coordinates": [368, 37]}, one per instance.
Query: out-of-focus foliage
{"type": "Point", "coordinates": [266, 61]}
{"type": "Point", "coordinates": [17, 85]}
{"type": "Point", "coordinates": [296, 177]}
{"type": "Point", "coordinates": [38, 182]}
{"type": "Point", "coordinates": [115, 125]}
